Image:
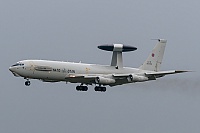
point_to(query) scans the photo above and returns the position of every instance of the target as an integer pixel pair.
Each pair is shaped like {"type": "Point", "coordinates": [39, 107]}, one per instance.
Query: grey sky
{"type": "Point", "coordinates": [70, 31]}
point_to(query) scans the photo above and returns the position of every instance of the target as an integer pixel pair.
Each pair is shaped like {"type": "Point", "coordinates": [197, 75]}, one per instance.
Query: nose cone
{"type": "Point", "coordinates": [13, 70]}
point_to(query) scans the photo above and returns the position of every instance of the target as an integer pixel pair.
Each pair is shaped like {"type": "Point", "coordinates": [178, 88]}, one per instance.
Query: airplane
{"type": "Point", "coordinates": [93, 74]}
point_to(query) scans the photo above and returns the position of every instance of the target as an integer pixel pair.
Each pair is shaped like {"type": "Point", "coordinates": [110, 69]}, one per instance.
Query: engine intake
{"type": "Point", "coordinates": [136, 78]}
{"type": "Point", "coordinates": [102, 80]}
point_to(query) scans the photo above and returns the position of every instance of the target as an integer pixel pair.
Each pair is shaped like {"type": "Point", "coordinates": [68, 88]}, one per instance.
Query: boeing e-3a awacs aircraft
{"type": "Point", "coordinates": [100, 75]}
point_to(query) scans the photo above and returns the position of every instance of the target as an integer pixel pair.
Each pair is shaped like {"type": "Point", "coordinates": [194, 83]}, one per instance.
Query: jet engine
{"type": "Point", "coordinates": [102, 80]}
{"type": "Point", "coordinates": [136, 78]}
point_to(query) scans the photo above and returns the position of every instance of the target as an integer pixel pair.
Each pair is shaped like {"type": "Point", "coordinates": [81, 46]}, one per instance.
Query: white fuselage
{"type": "Point", "coordinates": [58, 71]}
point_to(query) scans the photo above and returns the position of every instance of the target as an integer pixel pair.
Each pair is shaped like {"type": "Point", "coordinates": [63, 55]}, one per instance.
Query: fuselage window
{"type": "Point", "coordinates": [18, 64]}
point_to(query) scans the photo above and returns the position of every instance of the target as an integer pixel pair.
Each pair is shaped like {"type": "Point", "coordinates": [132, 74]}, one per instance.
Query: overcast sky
{"type": "Point", "coordinates": [71, 30]}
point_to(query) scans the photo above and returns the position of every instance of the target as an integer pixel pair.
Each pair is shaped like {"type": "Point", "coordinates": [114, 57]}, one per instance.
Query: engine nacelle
{"type": "Point", "coordinates": [102, 80]}
{"type": "Point", "coordinates": [136, 78]}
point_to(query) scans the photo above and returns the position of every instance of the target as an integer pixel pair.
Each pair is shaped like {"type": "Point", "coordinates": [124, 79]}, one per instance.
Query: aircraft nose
{"type": "Point", "coordinates": [11, 69]}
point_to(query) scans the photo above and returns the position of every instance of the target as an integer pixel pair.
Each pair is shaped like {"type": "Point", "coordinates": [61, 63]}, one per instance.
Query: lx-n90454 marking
{"type": "Point", "coordinates": [100, 75]}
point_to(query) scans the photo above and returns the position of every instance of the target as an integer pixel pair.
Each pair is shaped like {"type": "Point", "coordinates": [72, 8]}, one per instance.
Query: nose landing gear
{"type": "Point", "coordinates": [27, 83]}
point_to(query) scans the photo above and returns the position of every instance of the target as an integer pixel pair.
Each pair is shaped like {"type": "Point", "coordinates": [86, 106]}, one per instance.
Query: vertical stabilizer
{"type": "Point", "coordinates": [154, 61]}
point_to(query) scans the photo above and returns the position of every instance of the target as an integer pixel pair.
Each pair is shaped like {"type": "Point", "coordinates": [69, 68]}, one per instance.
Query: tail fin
{"type": "Point", "coordinates": [153, 62]}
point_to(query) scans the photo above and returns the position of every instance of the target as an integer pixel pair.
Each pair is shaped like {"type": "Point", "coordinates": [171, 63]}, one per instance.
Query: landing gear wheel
{"type": "Point", "coordinates": [81, 88]}
{"type": "Point", "coordinates": [99, 88]}
{"type": "Point", "coordinates": [103, 89]}
{"type": "Point", "coordinates": [27, 83]}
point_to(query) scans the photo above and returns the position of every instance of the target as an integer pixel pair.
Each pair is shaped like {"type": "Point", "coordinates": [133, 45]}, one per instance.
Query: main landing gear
{"type": "Point", "coordinates": [85, 88]}
{"type": "Point", "coordinates": [27, 83]}
{"type": "Point", "coordinates": [81, 88]}
{"type": "Point", "coordinates": [99, 88]}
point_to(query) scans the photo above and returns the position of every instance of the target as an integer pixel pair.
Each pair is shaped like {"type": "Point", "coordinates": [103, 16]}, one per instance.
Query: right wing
{"type": "Point", "coordinates": [163, 73]}
{"type": "Point", "coordinates": [117, 79]}
{"type": "Point", "coordinates": [89, 78]}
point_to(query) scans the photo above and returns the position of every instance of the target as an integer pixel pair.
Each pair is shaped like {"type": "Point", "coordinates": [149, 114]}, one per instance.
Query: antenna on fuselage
{"type": "Point", "coordinates": [117, 60]}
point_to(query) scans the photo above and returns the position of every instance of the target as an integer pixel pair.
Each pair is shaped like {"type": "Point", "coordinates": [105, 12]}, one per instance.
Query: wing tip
{"type": "Point", "coordinates": [182, 71]}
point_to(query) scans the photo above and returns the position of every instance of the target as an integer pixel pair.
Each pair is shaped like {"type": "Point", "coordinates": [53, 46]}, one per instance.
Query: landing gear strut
{"type": "Point", "coordinates": [81, 88]}
{"type": "Point", "coordinates": [99, 88]}
{"type": "Point", "coordinates": [27, 83]}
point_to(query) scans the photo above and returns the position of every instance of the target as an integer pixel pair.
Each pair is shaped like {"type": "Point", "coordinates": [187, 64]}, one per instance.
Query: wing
{"type": "Point", "coordinates": [163, 73]}
{"type": "Point", "coordinates": [83, 78]}
{"type": "Point", "coordinates": [117, 79]}
{"type": "Point", "coordinates": [101, 79]}
{"type": "Point", "coordinates": [145, 76]}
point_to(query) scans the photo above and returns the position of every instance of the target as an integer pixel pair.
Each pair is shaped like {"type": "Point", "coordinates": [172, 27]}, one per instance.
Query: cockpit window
{"type": "Point", "coordinates": [18, 64]}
